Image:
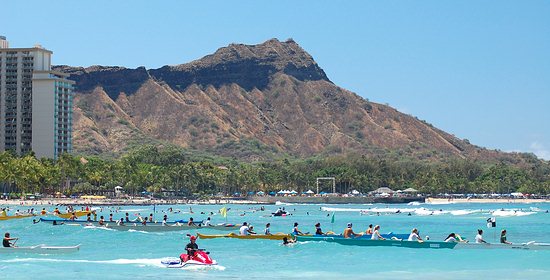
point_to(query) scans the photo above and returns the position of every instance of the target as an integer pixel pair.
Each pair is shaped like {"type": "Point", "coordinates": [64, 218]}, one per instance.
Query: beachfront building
{"type": "Point", "coordinates": [35, 103]}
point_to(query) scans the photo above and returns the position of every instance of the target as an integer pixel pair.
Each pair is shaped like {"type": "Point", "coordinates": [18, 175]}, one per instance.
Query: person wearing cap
{"type": "Point", "coordinates": [348, 232]}
{"type": "Point", "coordinates": [296, 231]}
{"type": "Point", "coordinates": [191, 247]}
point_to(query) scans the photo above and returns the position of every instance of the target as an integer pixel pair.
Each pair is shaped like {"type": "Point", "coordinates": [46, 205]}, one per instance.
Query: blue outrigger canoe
{"type": "Point", "coordinates": [362, 241]}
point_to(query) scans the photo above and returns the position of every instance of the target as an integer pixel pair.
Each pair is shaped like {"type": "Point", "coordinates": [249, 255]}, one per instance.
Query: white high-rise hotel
{"type": "Point", "coordinates": [36, 103]}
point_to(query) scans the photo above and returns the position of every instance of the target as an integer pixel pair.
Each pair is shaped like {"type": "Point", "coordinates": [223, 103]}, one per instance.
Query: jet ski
{"type": "Point", "coordinates": [200, 258]}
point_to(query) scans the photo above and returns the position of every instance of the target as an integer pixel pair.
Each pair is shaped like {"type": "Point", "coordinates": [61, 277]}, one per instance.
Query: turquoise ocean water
{"type": "Point", "coordinates": [110, 254]}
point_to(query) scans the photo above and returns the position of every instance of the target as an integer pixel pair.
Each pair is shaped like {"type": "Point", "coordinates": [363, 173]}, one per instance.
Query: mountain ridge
{"type": "Point", "coordinates": [272, 96]}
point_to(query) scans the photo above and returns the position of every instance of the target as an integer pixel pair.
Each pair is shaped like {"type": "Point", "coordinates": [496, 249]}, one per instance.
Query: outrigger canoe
{"type": "Point", "coordinates": [386, 243]}
{"type": "Point", "coordinates": [276, 236]}
{"type": "Point", "coordinates": [424, 244]}
{"type": "Point", "coordinates": [519, 246]}
{"type": "Point", "coordinates": [5, 218]}
{"type": "Point", "coordinates": [139, 226]}
{"type": "Point", "coordinates": [78, 213]}
{"type": "Point", "coordinates": [40, 249]}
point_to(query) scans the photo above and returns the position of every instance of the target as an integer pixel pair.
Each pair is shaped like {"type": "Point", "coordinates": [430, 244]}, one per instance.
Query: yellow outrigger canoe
{"type": "Point", "coordinates": [5, 218]}
{"type": "Point", "coordinates": [78, 213]}
{"type": "Point", "coordinates": [63, 215]}
{"type": "Point", "coordinates": [276, 236]}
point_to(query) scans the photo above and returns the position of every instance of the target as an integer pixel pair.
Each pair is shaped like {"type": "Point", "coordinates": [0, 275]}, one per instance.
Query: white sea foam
{"type": "Point", "coordinates": [139, 262]}
{"type": "Point", "coordinates": [511, 213]}
{"type": "Point", "coordinates": [463, 212]}
{"type": "Point", "coordinates": [415, 203]}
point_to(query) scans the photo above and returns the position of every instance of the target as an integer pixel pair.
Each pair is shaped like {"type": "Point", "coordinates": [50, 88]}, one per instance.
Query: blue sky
{"type": "Point", "coordinates": [476, 69]}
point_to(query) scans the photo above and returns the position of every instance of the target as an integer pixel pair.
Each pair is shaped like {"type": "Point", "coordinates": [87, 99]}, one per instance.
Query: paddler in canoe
{"type": "Point", "coordinates": [414, 236]}
{"type": "Point", "coordinates": [296, 231]}
{"type": "Point", "coordinates": [348, 232]}
{"type": "Point", "coordinates": [369, 230]}
{"type": "Point", "coordinates": [318, 230]}
{"type": "Point", "coordinates": [6, 242]}
{"type": "Point", "coordinates": [267, 231]}
{"type": "Point", "coordinates": [376, 234]}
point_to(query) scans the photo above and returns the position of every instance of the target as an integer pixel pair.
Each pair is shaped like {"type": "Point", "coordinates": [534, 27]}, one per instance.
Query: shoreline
{"type": "Point", "coordinates": [431, 200]}
{"type": "Point", "coordinates": [130, 202]}
{"type": "Point", "coordinates": [121, 202]}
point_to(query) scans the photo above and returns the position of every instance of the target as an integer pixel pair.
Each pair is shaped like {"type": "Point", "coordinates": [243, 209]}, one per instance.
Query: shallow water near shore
{"type": "Point", "coordinates": [114, 254]}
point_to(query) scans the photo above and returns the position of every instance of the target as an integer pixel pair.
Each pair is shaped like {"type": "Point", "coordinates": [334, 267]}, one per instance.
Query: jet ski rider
{"type": "Point", "coordinates": [191, 248]}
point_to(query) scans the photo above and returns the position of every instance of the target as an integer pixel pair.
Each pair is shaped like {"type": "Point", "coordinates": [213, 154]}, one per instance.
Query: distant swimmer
{"type": "Point", "coordinates": [503, 237]}
{"type": "Point", "coordinates": [376, 234]}
{"type": "Point", "coordinates": [348, 232]}
{"type": "Point", "coordinates": [267, 230]}
{"type": "Point", "coordinates": [287, 241]}
{"type": "Point", "coordinates": [414, 235]}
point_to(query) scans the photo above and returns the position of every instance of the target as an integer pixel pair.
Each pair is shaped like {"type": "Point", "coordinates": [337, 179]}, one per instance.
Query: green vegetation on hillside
{"type": "Point", "coordinates": [155, 169]}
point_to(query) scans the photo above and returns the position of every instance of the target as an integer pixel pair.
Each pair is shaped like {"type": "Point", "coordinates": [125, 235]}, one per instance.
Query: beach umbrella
{"type": "Point", "coordinates": [310, 192]}
{"type": "Point", "coordinates": [272, 193]}
{"type": "Point", "coordinates": [354, 192]}
{"type": "Point", "coordinates": [260, 193]}
{"type": "Point", "coordinates": [281, 192]}
{"type": "Point", "coordinates": [293, 192]}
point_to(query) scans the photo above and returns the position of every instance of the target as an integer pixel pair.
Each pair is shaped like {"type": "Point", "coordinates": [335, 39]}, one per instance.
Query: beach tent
{"type": "Point", "coordinates": [383, 190]}
{"type": "Point", "coordinates": [310, 192]}
{"type": "Point", "coordinates": [272, 193]}
{"type": "Point", "coordinates": [355, 192]}
{"type": "Point", "coordinates": [260, 193]}
{"type": "Point", "coordinates": [281, 192]}
{"type": "Point", "coordinates": [516, 194]}
{"type": "Point", "coordinates": [250, 193]}
{"type": "Point", "coordinates": [293, 192]}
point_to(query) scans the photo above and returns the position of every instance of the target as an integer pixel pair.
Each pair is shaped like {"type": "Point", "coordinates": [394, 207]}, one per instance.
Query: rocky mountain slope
{"type": "Point", "coordinates": [248, 101]}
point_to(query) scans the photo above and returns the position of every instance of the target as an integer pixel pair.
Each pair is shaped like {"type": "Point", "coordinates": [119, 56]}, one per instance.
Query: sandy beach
{"type": "Point", "coordinates": [136, 201]}
{"type": "Point", "coordinates": [142, 201]}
